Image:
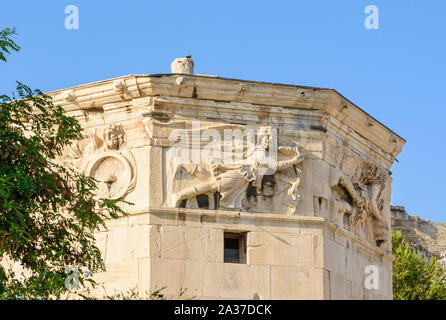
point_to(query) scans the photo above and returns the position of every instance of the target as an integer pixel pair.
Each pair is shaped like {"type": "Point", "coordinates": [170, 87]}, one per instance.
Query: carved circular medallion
{"type": "Point", "coordinates": [113, 173]}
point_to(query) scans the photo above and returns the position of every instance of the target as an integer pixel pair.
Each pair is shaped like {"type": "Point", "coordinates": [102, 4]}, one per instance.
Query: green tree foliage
{"type": "Point", "coordinates": [6, 44]}
{"type": "Point", "coordinates": [416, 277]}
{"type": "Point", "coordinates": [48, 212]}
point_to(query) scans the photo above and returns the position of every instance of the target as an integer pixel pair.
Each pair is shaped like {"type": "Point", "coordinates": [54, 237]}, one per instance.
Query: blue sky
{"type": "Point", "coordinates": [396, 73]}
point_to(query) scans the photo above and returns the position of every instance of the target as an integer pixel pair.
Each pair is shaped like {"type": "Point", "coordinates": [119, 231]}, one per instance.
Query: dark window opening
{"type": "Point", "coordinates": [234, 247]}
{"type": "Point", "coordinates": [232, 250]}
{"type": "Point", "coordinates": [268, 184]}
{"type": "Point", "coordinates": [251, 191]}
{"type": "Point", "coordinates": [379, 243]}
{"type": "Point", "coordinates": [217, 197]}
{"type": "Point", "coordinates": [203, 201]}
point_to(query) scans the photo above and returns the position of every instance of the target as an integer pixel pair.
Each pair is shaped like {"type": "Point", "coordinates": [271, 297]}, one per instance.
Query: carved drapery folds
{"type": "Point", "coordinates": [105, 160]}
{"type": "Point", "coordinates": [253, 184]}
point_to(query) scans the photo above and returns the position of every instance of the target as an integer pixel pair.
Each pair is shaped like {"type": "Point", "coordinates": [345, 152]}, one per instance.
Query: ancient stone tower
{"type": "Point", "coordinates": [241, 189]}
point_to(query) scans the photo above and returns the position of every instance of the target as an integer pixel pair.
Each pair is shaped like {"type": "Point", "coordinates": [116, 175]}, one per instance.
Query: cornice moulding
{"type": "Point", "coordinates": [249, 94]}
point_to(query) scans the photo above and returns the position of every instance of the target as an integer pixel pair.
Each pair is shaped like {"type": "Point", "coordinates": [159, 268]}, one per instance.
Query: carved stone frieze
{"type": "Point", "coordinates": [252, 184]}
{"type": "Point", "coordinates": [104, 160]}
{"type": "Point", "coordinates": [114, 174]}
{"type": "Point", "coordinates": [360, 199]}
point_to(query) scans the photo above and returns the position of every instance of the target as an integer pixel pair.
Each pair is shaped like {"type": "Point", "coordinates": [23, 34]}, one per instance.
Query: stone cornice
{"type": "Point", "coordinates": [95, 95]}
{"type": "Point", "coordinates": [310, 120]}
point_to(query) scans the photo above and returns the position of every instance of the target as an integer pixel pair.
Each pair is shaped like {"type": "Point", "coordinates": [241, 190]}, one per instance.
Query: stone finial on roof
{"type": "Point", "coordinates": [183, 65]}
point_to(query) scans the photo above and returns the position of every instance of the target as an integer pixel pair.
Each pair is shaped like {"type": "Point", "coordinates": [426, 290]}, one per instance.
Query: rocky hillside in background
{"type": "Point", "coordinates": [431, 236]}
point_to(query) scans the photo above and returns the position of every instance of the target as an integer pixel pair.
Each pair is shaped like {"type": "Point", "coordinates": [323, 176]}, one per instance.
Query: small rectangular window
{"type": "Point", "coordinates": [234, 247]}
